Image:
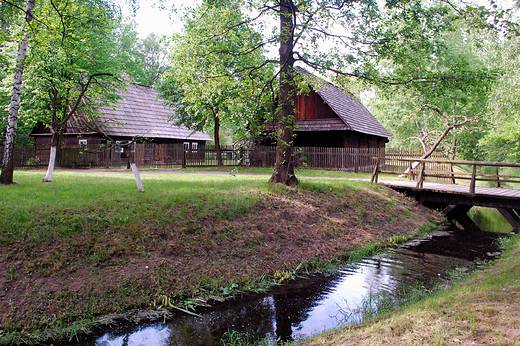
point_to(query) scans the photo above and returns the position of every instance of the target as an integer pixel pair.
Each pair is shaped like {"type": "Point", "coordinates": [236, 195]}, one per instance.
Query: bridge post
{"type": "Point", "coordinates": [421, 176]}
{"type": "Point", "coordinates": [473, 180]}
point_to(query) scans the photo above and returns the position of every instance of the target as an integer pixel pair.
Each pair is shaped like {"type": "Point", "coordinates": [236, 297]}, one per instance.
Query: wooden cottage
{"type": "Point", "coordinates": [139, 115]}
{"type": "Point", "coordinates": [330, 117]}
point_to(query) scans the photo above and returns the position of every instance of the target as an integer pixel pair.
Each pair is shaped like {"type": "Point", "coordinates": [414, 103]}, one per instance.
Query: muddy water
{"type": "Point", "coordinates": [317, 303]}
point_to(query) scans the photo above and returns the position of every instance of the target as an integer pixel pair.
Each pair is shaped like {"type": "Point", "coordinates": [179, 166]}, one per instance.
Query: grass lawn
{"type": "Point", "coordinates": [89, 245]}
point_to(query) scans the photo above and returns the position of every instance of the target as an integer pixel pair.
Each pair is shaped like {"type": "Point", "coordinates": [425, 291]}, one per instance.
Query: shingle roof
{"type": "Point", "coordinates": [353, 113]}
{"type": "Point", "coordinates": [141, 113]}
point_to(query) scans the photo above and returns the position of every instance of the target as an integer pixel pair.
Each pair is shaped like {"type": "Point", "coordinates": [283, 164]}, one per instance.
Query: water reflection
{"type": "Point", "coordinates": [152, 335]}
{"type": "Point", "coordinates": [310, 306]}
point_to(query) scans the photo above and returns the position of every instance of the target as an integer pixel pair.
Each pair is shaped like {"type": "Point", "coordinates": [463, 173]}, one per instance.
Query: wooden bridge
{"type": "Point", "coordinates": [455, 186]}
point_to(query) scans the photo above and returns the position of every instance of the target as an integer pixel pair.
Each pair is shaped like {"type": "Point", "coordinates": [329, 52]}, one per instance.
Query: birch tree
{"type": "Point", "coordinates": [6, 176]}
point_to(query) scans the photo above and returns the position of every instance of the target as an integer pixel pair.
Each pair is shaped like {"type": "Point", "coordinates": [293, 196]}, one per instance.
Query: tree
{"type": "Point", "coordinates": [216, 68]}
{"type": "Point", "coordinates": [502, 141]}
{"type": "Point", "coordinates": [450, 125]}
{"type": "Point", "coordinates": [352, 38]}
{"type": "Point", "coordinates": [155, 60]}
{"type": "Point", "coordinates": [143, 60]}
{"type": "Point", "coordinates": [450, 101]}
{"type": "Point", "coordinates": [73, 65]}
{"type": "Point", "coordinates": [6, 176]}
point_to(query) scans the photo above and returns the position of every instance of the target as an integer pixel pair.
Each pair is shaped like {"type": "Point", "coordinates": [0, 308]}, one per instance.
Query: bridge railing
{"type": "Point", "coordinates": [420, 169]}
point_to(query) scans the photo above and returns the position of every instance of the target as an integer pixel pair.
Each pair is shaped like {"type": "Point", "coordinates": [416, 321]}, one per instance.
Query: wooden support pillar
{"type": "Point", "coordinates": [466, 223]}
{"type": "Point", "coordinates": [452, 211]}
{"type": "Point", "coordinates": [459, 214]}
{"type": "Point", "coordinates": [512, 217]}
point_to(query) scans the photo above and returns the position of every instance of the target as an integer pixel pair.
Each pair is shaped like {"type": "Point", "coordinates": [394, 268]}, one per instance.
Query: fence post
{"type": "Point", "coordinates": [497, 182]}
{"type": "Point", "coordinates": [183, 158]}
{"type": "Point", "coordinates": [376, 172]}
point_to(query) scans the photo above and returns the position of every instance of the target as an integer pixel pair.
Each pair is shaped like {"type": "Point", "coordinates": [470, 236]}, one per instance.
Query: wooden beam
{"type": "Point", "coordinates": [473, 178]}
{"type": "Point", "coordinates": [512, 217]}
{"type": "Point", "coordinates": [376, 171]}
{"type": "Point", "coordinates": [452, 211]}
{"type": "Point", "coordinates": [421, 177]}
{"type": "Point", "coordinates": [466, 223]}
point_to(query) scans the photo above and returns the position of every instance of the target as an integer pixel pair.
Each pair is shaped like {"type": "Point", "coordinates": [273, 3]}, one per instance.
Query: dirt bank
{"type": "Point", "coordinates": [52, 283]}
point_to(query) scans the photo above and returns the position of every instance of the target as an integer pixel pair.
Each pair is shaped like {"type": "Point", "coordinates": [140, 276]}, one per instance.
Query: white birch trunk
{"type": "Point", "coordinates": [50, 168]}
{"type": "Point", "coordinates": [7, 167]}
{"type": "Point", "coordinates": [140, 186]}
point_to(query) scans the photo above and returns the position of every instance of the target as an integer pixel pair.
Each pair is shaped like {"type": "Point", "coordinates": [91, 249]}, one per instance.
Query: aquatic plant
{"type": "Point", "coordinates": [234, 338]}
{"type": "Point", "coordinates": [372, 306]}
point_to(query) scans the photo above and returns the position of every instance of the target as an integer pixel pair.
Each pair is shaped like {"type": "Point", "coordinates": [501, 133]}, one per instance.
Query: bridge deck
{"type": "Point", "coordinates": [454, 188]}
{"type": "Point", "coordinates": [453, 200]}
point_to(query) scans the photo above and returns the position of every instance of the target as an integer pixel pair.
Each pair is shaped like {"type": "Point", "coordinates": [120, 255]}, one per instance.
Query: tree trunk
{"type": "Point", "coordinates": [216, 134]}
{"type": "Point", "coordinates": [284, 169]}
{"type": "Point", "coordinates": [138, 181]}
{"type": "Point", "coordinates": [52, 157]}
{"type": "Point", "coordinates": [50, 167]}
{"type": "Point", "coordinates": [6, 176]}
{"type": "Point", "coordinates": [437, 142]}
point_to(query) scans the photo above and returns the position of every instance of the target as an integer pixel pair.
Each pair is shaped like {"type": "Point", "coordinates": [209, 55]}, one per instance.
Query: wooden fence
{"type": "Point", "coordinates": [395, 161]}
{"type": "Point", "coordinates": [24, 156]}
{"type": "Point", "coordinates": [148, 155]}
{"type": "Point", "coordinates": [346, 159]}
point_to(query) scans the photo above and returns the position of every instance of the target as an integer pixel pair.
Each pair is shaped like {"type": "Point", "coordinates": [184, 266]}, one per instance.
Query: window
{"type": "Point", "coordinates": [119, 147]}
{"type": "Point", "coordinates": [83, 143]}
{"type": "Point", "coordinates": [194, 146]}
{"type": "Point", "coordinates": [186, 145]}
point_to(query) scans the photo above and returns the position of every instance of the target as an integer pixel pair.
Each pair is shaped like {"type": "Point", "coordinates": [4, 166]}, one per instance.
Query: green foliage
{"type": "Point", "coordinates": [70, 61]}
{"type": "Point", "coordinates": [143, 60]}
{"type": "Point", "coordinates": [11, 24]}
{"type": "Point", "coordinates": [502, 140]}
{"type": "Point", "coordinates": [71, 41]}
{"type": "Point", "coordinates": [216, 75]}
{"type": "Point", "coordinates": [464, 93]}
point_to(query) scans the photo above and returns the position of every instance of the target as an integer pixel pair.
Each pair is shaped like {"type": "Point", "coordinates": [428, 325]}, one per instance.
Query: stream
{"type": "Point", "coordinates": [311, 305]}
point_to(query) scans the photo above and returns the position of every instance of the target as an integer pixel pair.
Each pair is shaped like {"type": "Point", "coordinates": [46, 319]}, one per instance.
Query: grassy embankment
{"type": "Point", "coordinates": [481, 310]}
{"type": "Point", "coordinates": [88, 246]}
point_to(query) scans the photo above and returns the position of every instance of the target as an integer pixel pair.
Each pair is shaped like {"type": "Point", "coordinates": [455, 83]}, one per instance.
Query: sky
{"type": "Point", "coordinates": [152, 19]}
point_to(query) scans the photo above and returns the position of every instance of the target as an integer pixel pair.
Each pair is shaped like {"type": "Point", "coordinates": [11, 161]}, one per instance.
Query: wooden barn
{"type": "Point", "coordinates": [328, 117]}
{"type": "Point", "coordinates": [140, 114]}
